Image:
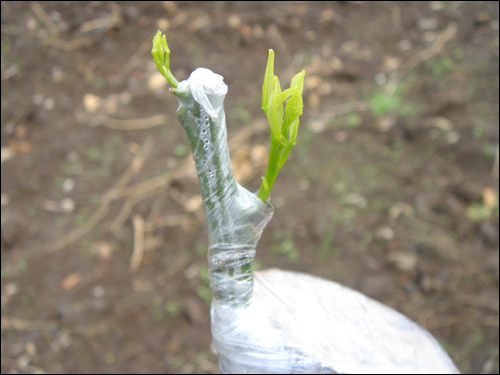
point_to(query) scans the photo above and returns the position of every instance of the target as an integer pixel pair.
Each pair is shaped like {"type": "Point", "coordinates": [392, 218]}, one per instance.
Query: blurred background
{"type": "Point", "coordinates": [392, 188]}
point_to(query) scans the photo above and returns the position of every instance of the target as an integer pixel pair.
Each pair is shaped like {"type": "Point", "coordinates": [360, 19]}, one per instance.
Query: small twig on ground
{"type": "Point", "coordinates": [169, 221]}
{"type": "Point", "coordinates": [137, 123]}
{"type": "Point", "coordinates": [478, 301]}
{"type": "Point", "coordinates": [137, 58]}
{"type": "Point", "coordinates": [237, 138]}
{"type": "Point", "coordinates": [429, 319]}
{"type": "Point", "coordinates": [144, 190]}
{"type": "Point", "coordinates": [395, 15]}
{"type": "Point", "coordinates": [432, 51]}
{"type": "Point", "coordinates": [275, 35]}
{"type": "Point", "coordinates": [460, 319]}
{"type": "Point", "coordinates": [88, 330]}
{"type": "Point", "coordinates": [160, 184]}
{"type": "Point", "coordinates": [15, 119]}
{"type": "Point", "coordinates": [67, 46]}
{"type": "Point", "coordinates": [136, 164]}
{"type": "Point", "coordinates": [109, 196]}
{"type": "Point", "coordinates": [392, 85]}
{"type": "Point", "coordinates": [135, 260]}
{"type": "Point", "coordinates": [149, 190]}
{"type": "Point", "coordinates": [10, 72]}
{"type": "Point", "coordinates": [77, 233]}
{"type": "Point", "coordinates": [156, 207]}
{"type": "Point", "coordinates": [44, 18]}
{"type": "Point", "coordinates": [344, 108]}
{"type": "Point", "coordinates": [114, 20]}
{"type": "Point", "coordinates": [9, 322]}
{"type": "Point", "coordinates": [287, 74]}
{"type": "Point", "coordinates": [421, 56]}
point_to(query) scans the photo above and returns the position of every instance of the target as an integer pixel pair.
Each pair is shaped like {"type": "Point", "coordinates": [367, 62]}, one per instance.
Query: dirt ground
{"type": "Point", "coordinates": [392, 188]}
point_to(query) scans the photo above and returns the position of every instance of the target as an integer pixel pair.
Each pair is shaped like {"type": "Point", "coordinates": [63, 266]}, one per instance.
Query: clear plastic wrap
{"type": "Point", "coordinates": [288, 322]}
{"type": "Point", "coordinates": [235, 216]}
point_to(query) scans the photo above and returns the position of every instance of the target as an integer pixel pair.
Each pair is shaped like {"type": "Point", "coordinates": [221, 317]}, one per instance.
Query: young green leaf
{"type": "Point", "coordinates": [268, 86]}
{"type": "Point", "coordinates": [275, 111]}
{"type": "Point", "coordinates": [294, 105]}
{"type": "Point", "coordinates": [283, 121]}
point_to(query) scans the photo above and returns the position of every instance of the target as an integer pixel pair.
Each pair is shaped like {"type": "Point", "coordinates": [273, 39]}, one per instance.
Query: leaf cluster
{"type": "Point", "coordinates": [282, 109]}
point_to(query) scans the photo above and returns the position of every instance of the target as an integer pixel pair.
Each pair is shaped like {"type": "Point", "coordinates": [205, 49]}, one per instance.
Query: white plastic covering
{"type": "Point", "coordinates": [209, 90]}
{"type": "Point", "coordinates": [298, 323]}
{"type": "Point", "coordinates": [279, 321]}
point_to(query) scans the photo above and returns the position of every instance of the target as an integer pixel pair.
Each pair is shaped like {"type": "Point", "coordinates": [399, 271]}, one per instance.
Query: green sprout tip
{"type": "Point", "coordinates": [161, 55]}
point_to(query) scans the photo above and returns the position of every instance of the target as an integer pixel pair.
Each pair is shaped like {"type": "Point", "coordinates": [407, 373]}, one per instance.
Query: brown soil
{"type": "Point", "coordinates": [392, 187]}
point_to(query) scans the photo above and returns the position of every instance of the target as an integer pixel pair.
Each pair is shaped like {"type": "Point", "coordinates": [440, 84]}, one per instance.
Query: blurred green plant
{"type": "Point", "coordinates": [205, 293]}
{"type": "Point", "coordinates": [284, 245]}
{"type": "Point", "coordinates": [479, 212]}
{"type": "Point", "coordinates": [325, 249]}
{"type": "Point", "coordinates": [4, 48]}
{"type": "Point", "coordinates": [201, 357]}
{"type": "Point", "coordinates": [82, 217]}
{"type": "Point", "coordinates": [380, 104]}
{"type": "Point", "coordinates": [203, 289]}
{"type": "Point", "coordinates": [172, 307]}
{"type": "Point", "coordinates": [441, 66]}
{"type": "Point", "coordinates": [366, 240]}
{"type": "Point", "coordinates": [181, 150]}
{"type": "Point", "coordinates": [92, 153]}
{"type": "Point", "coordinates": [24, 300]}
{"type": "Point", "coordinates": [242, 114]}
{"type": "Point", "coordinates": [22, 265]}
{"type": "Point", "coordinates": [288, 249]}
{"type": "Point", "coordinates": [30, 211]}
{"type": "Point", "coordinates": [30, 290]}
{"type": "Point", "coordinates": [458, 54]}
{"type": "Point", "coordinates": [7, 271]}
{"type": "Point", "coordinates": [177, 362]}
{"type": "Point", "coordinates": [478, 132]}
{"type": "Point", "coordinates": [98, 83]}
{"type": "Point", "coordinates": [110, 358]}
{"type": "Point", "coordinates": [490, 151]}
{"type": "Point", "coordinates": [354, 120]}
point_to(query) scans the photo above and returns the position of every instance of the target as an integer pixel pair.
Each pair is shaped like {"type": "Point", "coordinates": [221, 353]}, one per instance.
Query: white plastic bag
{"type": "Point", "coordinates": [297, 323]}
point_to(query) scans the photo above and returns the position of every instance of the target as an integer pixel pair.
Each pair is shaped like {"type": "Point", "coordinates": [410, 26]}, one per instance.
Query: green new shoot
{"type": "Point", "coordinates": [283, 120]}
{"type": "Point", "coordinates": [161, 55]}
